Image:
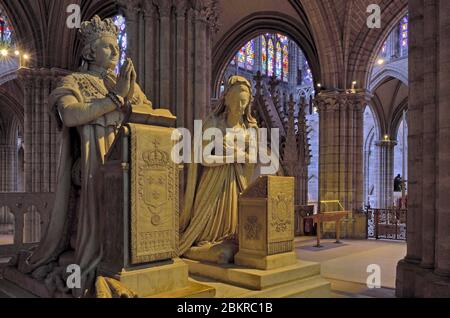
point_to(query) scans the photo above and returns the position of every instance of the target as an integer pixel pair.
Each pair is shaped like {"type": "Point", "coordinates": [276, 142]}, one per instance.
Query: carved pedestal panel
{"type": "Point", "coordinates": [266, 224]}
{"type": "Point", "coordinates": [140, 210]}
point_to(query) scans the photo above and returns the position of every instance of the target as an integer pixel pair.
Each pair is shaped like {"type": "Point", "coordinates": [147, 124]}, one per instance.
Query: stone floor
{"type": "Point", "coordinates": [345, 265]}
{"type": "Point", "coordinates": [6, 239]}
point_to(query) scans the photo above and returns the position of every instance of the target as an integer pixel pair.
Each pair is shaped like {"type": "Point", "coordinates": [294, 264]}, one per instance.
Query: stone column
{"type": "Point", "coordinates": [425, 271]}
{"type": "Point", "coordinates": [180, 11]}
{"type": "Point", "coordinates": [40, 135]}
{"type": "Point", "coordinates": [131, 11]}
{"type": "Point", "coordinates": [164, 9]}
{"type": "Point", "coordinates": [8, 180]}
{"type": "Point", "coordinates": [149, 35]}
{"type": "Point", "coordinates": [41, 141]}
{"type": "Point", "coordinates": [176, 54]}
{"type": "Point", "coordinates": [8, 168]}
{"type": "Point", "coordinates": [386, 173]}
{"type": "Point", "coordinates": [200, 62]}
{"type": "Point", "coordinates": [341, 148]}
{"type": "Point", "coordinates": [442, 268]}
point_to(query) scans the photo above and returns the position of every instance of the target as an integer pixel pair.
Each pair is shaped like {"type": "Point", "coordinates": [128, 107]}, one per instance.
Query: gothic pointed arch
{"type": "Point", "coordinates": [254, 25]}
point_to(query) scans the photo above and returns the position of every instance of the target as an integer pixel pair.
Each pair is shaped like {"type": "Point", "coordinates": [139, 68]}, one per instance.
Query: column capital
{"type": "Point", "coordinates": [207, 11]}
{"type": "Point", "coordinates": [29, 74]}
{"type": "Point", "coordinates": [148, 8]}
{"type": "Point", "coordinates": [181, 7]}
{"type": "Point", "coordinates": [386, 143]}
{"type": "Point", "coordinates": [334, 100]}
{"type": "Point", "coordinates": [164, 7]}
{"type": "Point", "coordinates": [130, 6]}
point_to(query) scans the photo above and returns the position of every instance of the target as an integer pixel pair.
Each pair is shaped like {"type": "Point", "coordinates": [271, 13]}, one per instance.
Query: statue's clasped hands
{"type": "Point", "coordinates": [126, 81]}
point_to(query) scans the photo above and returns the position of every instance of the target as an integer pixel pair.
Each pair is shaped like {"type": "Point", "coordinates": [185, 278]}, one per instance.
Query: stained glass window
{"type": "Point", "coordinates": [278, 61]}
{"type": "Point", "coordinates": [122, 40]}
{"type": "Point", "coordinates": [241, 57]}
{"type": "Point", "coordinates": [263, 55]}
{"type": "Point", "coordinates": [270, 58]}
{"type": "Point", "coordinates": [250, 54]}
{"type": "Point", "coordinates": [283, 39]}
{"type": "Point", "coordinates": [285, 63]}
{"type": "Point", "coordinates": [307, 77]}
{"type": "Point", "coordinates": [404, 36]}
{"type": "Point", "coordinates": [5, 29]}
{"type": "Point", "coordinates": [384, 49]}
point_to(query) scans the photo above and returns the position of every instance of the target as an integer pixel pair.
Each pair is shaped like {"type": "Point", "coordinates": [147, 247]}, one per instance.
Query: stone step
{"type": "Point", "coordinates": [254, 279]}
{"type": "Point", "coordinates": [10, 290]}
{"type": "Point", "coordinates": [311, 287]}
{"type": "Point", "coordinates": [193, 290]}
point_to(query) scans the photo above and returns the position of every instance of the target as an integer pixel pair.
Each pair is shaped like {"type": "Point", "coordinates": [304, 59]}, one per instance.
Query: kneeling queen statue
{"type": "Point", "coordinates": [89, 107]}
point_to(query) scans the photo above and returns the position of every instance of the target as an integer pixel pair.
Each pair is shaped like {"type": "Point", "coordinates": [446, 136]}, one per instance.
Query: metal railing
{"type": "Point", "coordinates": [388, 224]}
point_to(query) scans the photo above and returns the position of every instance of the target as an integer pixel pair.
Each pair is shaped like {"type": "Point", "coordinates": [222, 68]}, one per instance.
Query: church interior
{"type": "Point", "coordinates": [93, 204]}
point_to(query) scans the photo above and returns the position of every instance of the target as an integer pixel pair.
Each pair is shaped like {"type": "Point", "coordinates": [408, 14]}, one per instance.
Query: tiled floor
{"type": "Point", "coordinates": [345, 265]}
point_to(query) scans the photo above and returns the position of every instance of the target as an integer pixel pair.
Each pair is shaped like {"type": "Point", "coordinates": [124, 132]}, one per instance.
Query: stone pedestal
{"type": "Point", "coordinates": [159, 277]}
{"type": "Point", "coordinates": [266, 263]}
{"type": "Point", "coordinates": [266, 224]}
{"type": "Point", "coordinates": [140, 208]}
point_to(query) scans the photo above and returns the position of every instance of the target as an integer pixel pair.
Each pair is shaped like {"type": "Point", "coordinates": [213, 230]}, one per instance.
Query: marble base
{"type": "Point", "coordinates": [153, 279]}
{"type": "Point", "coordinates": [162, 281]}
{"type": "Point", "coordinates": [254, 279]}
{"type": "Point", "coordinates": [265, 262]}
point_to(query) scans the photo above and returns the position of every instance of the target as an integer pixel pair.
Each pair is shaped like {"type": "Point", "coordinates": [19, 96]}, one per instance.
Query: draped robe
{"type": "Point", "coordinates": [96, 134]}
{"type": "Point", "coordinates": [210, 213]}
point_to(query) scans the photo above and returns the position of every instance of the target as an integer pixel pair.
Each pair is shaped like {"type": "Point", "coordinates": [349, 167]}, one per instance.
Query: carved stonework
{"type": "Point", "coordinates": [266, 217]}
{"type": "Point", "coordinates": [280, 218]}
{"type": "Point", "coordinates": [280, 209]}
{"type": "Point", "coordinates": [252, 228]}
{"type": "Point", "coordinates": [154, 195]}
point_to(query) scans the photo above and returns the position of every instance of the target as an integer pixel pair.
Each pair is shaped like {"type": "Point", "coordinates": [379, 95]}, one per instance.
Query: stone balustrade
{"type": "Point", "coordinates": [28, 215]}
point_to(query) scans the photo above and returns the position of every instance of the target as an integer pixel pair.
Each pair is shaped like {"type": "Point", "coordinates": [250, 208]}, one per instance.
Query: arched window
{"type": "Point", "coordinates": [119, 20]}
{"type": "Point", "coordinates": [285, 63]}
{"type": "Point", "coordinates": [404, 36]}
{"type": "Point", "coordinates": [278, 61]}
{"type": "Point", "coordinates": [270, 58]}
{"type": "Point", "coordinates": [6, 37]}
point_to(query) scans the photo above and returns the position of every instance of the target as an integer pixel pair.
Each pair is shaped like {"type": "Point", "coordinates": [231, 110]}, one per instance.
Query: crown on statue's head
{"type": "Point", "coordinates": [96, 29]}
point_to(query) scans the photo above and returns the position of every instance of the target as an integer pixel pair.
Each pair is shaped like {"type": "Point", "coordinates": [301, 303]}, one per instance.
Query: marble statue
{"type": "Point", "coordinates": [210, 215]}
{"type": "Point", "coordinates": [90, 106]}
